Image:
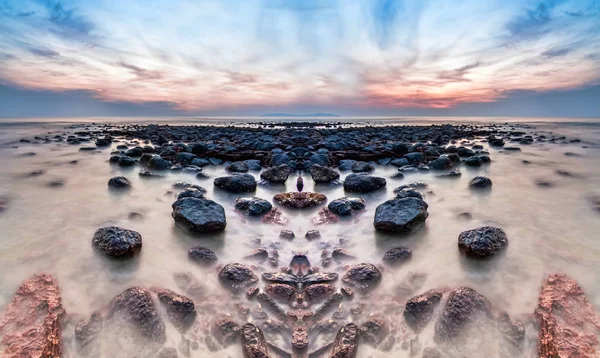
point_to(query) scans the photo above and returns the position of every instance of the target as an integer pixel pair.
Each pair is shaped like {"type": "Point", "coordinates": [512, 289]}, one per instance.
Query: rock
{"type": "Point", "coordinates": [374, 330]}
{"type": "Point", "coordinates": [225, 330]}
{"type": "Point", "coordinates": [312, 234]}
{"type": "Point", "coordinates": [135, 308]}
{"type": "Point", "coordinates": [87, 333]}
{"type": "Point", "coordinates": [238, 167]}
{"type": "Point", "coordinates": [253, 342]}
{"type": "Point", "coordinates": [319, 291]}
{"type": "Point", "coordinates": [346, 206]}
{"type": "Point", "coordinates": [400, 162]}
{"type": "Point", "coordinates": [397, 256]}
{"type": "Point", "coordinates": [300, 200]}
{"type": "Point", "coordinates": [237, 276]}
{"type": "Point", "coordinates": [202, 255]}
{"type": "Point", "coordinates": [465, 152]}
{"type": "Point", "coordinates": [191, 193]}
{"type": "Point", "coordinates": [199, 148]}
{"type": "Point", "coordinates": [126, 161]}
{"type": "Point", "coordinates": [346, 164]}
{"type": "Point", "coordinates": [401, 215]}
{"type": "Point", "coordinates": [287, 234]}
{"type": "Point", "coordinates": [419, 309]}
{"type": "Point", "coordinates": [340, 254]}
{"type": "Point", "coordinates": [199, 162]}
{"type": "Point", "coordinates": [186, 185]}
{"type": "Point", "coordinates": [168, 352]}
{"type": "Point", "coordinates": [322, 174]}
{"type": "Point", "coordinates": [258, 254]}
{"type": "Point", "coordinates": [158, 163]}
{"type": "Point", "coordinates": [319, 159]}
{"type": "Point", "coordinates": [480, 182]}
{"type": "Point", "coordinates": [363, 183]}
{"type": "Point", "coordinates": [362, 167]}
{"type": "Point", "coordinates": [346, 342]}
{"type": "Point", "coordinates": [431, 352]}
{"type": "Point", "coordinates": [31, 323]}
{"type": "Point", "coordinates": [569, 323]}
{"type": "Point", "coordinates": [482, 242]}
{"type": "Point", "coordinates": [145, 173]}
{"type": "Point", "coordinates": [465, 310]}
{"type": "Point", "coordinates": [408, 193]}
{"type": "Point", "coordinates": [199, 215]}
{"type": "Point", "coordinates": [474, 161]}
{"type": "Point", "coordinates": [253, 206]}
{"type": "Point", "coordinates": [184, 157]}
{"type": "Point", "coordinates": [236, 183]}
{"type": "Point", "coordinates": [495, 142]}
{"type": "Point", "coordinates": [362, 276]}
{"type": "Point", "coordinates": [119, 182]}
{"type": "Point", "coordinates": [135, 152]}
{"type": "Point", "coordinates": [454, 173]}
{"type": "Point", "coordinates": [441, 163]}
{"type": "Point", "coordinates": [415, 158]}
{"type": "Point", "coordinates": [117, 242]}
{"type": "Point", "coordinates": [180, 309]}
{"type": "Point", "coordinates": [513, 334]}
{"type": "Point", "coordinates": [300, 339]}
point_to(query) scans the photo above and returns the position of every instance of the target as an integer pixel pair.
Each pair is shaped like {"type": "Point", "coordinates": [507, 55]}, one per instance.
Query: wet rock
{"type": "Point", "coordinates": [465, 310]}
{"type": "Point", "coordinates": [362, 167]}
{"type": "Point", "coordinates": [253, 206]}
{"type": "Point", "coordinates": [117, 242]}
{"type": "Point", "coordinates": [225, 330]}
{"type": "Point", "coordinates": [191, 193]}
{"type": "Point", "coordinates": [158, 163]}
{"type": "Point", "coordinates": [401, 215]}
{"type": "Point", "coordinates": [202, 255]}
{"type": "Point", "coordinates": [363, 276]}
{"type": "Point", "coordinates": [569, 323]}
{"type": "Point", "coordinates": [237, 276]}
{"type": "Point", "coordinates": [238, 167]}
{"type": "Point", "coordinates": [319, 291]}
{"type": "Point", "coordinates": [87, 333]}
{"type": "Point", "coordinates": [363, 183]}
{"type": "Point", "coordinates": [512, 333]}
{"type": "Point", "coordinates": [258, 254]}
{"type": "Point", "coordinates": [480, 182]}
{"type": "Point", "coordinates": [236, 183]}
{"type": "Point", "coordinates": [253, 342]}
{"type": "Point", "coordinates": [180, 309]}
{"type": "Point", "coordinates": [400, 162]}
{"type": "Point", "coordinates": [374, 330]}
{"type": "Point", "coordinates": [287, 234]}
{"type": "Point", "coordinates": [441, 163]}
{"type": "Point", "coordinates": [126, 161]}
{"type": "Point", "coordinates": [340, 254]}
{"type": "Point", "coordinates": [31, 323]}
{"type": "Point", "coordinates": [397, 256]}
{"type": "Point", "coordinates": [346, 342]}
{"type": "Point", "coordinates": [465, 215]}
{"type": "Point", "coordinates": [322, 174]}
{"type": "Point", "coordinates": [312, 234]}
{"type": "Point", "coordinates": [119, 182]}
{"type": "Point", "coordinates": [331, 303]}
{"type": "Point", "coordinates": [145, 173]}
{"type": "Point", "coordinates": [300, 200]}
{"type": "Point", "coordinates": [346, 206]}
{"type": "Point", "coordinates": [135, 308]}
{"type": "Point", "coordinates": [474, 161]}
{"type": "Point", "coordinates": [415, 158]}
{"type": "Point", "coordinates": [278, 174]}
{"type": "Point", "coordinates": [253, 164]}
{"type": "Point", "coordinates": [482, 242]}
{"type": "Point", "coordinates": [199, 215]}
{"type": "Point", "coordinates": [408, 193]}
{"type": "Point", "coordinates": [280, 291]}
{"type": "Point", "coordinates": [454, 173]}
{"type": "Point", "coordinates": [419, 309]}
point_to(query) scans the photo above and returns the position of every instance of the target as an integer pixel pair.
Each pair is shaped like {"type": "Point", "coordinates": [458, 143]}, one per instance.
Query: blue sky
{"type": "Point", "coordinates": [352, 57]}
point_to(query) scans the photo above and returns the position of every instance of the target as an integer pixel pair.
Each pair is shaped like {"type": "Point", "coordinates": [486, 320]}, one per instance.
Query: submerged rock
{"type": "Point", "coordinates": [253, 206]}
{"type": "Point", "coordinates": [401, 215]}
{"type": "Point", "coordinates": [202, 255]}
{"type": "Point", "coordinates": [419, 309]}
{"type": "Point", "coordinates": [199, 215]}
{"type": "Point", "coordinates": [117, 242]}
{"type": "Point", "coordinates": [135, 309]}
{"type": "Point", "coordinates": [363, 183]}
{"type": "Point", "coordinates": [569, 324]}
{"type": "Point", "coordinates": [225, 330]}
{"type": "Point", "coordinates": [119, 182]}
{"type": "Point", "coordinates": [397, 256]}
{"type": "Point", "coordinates": [346, 206]}
{"type": "Point", "coordinates": [236, 183]}
{"type": "Point", "coordinates": [322, 174]}
{"type": "Point", "coordinates": [253, 342]}
{"type": "Point", "coordinates": [480, 182]}
{"type": "Point", "coordinates": [238, 167]}
{"type": "Point", "coordinates": [31, 324]}
{"type": "Point", "coordinates": [300, 200]}
{"type": "Point", "coordinates": [374, 330]}
{"type": "Point", "coordinates": [362, 276]}
{"type": "Point", "coordinates": [180, 309]}
{"type": "Point", "coordinates": [482, 242]}
{"type": "Point", "coordinates": [278, 174]}
{"type": "Point", "coordinates": [346, 342]}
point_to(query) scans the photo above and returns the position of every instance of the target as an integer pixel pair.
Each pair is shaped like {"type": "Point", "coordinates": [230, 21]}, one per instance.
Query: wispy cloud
{"type": "Point", "coordinates": [212, 54]}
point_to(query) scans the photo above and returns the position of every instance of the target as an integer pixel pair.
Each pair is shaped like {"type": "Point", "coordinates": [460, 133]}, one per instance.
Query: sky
{"type": "Point", "coordinates": [249, 57]}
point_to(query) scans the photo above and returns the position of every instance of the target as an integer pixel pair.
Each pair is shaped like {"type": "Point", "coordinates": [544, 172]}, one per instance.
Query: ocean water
{"type": "Point", "coordinates": [46, 228]}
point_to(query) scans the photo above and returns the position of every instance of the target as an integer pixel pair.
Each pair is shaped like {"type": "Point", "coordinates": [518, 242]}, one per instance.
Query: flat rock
{"type": "Point", "coordinates": [482, 242]}
{"type": "Point", "coordinates": [199, 215]}
{"type": "Point", "coordinates": [31, 324]}
{"type": "Point", "coordinates": [117, 242]}
{"type": "Point", "coordinates": [401, 215]}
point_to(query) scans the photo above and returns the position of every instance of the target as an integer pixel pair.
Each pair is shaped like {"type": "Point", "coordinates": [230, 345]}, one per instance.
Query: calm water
{"type": "Point", "coordinates": [49, 229]}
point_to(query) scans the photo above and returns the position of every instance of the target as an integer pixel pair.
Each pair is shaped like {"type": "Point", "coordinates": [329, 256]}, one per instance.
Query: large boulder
{"type": "Point", "coordinates": [134, 311]}
{"type": "Point", "coordinates": [482, 242]}
{"type": "Point", "coordinates": [346, 206]}
{"type": "Point", "coordinates": [199, 215]}
{"type": "Point", "coordinates": [419, 309]}
{"type": "Point", "coordinates": [569, 323]}
{"type": "Point", "coordinates": [346, 342]}
{"type": "Point", "coordinates": [401, 215]}
{"type": "Point", "coordinates": [31, 324]}
{"type": "Point", "coordinates": [117, 242]}
{"type": "Point", "coordinates": [253, 206]}
{"type": "Point", "coordinates": [300, 200]}
{"type": "Point", "coordinates": [321, 174]}
{"type": "Point", "coordinates": [236, 183]}
{"type": "Point", "coordinates": [180, 309]}
{"type": "Point", "coordinates": [363, 183]}
{"type": "Point", "coordinates": [278, 174]}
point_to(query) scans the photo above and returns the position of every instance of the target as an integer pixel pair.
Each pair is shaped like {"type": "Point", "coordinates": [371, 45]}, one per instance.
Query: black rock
{"type": "Point", "coordinates": [362, 167]}
{"type": "Point", "coordinates": [482, 242]}
{"type": "Point", "coordinates": [180, 309]}
{"type": "Point", "coordinates": [119, 183]}
{"type": "Point", "coordinates": [278, 174]}
{"type": "Point", "coordinates": [397, 256]}
{"type": "Point", "coordinates": [158, 163]}
{"type": "Point", "coordinates": [322, 174]}
{"type": "Point", "coordinates": [363, 276]}
{"type": "Point", "coordinates": [237, 276]}
{"type": "Point", "coordinates": [238, 167]}
{"type": "Point", "coordinates": [117, 242]}
{"type": "Point", "coordinates": [145, 173]}
{"type": "Point", "coordinates": [253, 206]}
{"type": "Point", "coordinates": [363, 183]}
{"type": "Point", "coordinates": [401, 215]}
{"type": "Point", "coordinates": [202, 255]}
{"type": "Point", "coordinates": [441, 163]}
{"type": "Point", "coordinates": [419, 309]}
{"type": "Point", "coordinates": [126, 161]}
{"type": "Point", "coordinates": [136, 308]}
{"type": "Point", "coordinates": [236, 183]}
{"type": "Point", "coordinates": [346, 206]}
{"type": "Point", "coordinates": [480, 182]}
{"type": "Point", "coordinates": [199, 215]}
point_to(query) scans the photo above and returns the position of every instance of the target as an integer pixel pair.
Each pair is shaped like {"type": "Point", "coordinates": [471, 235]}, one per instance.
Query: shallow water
{"type": "Point", "coordinates": [550, 229]}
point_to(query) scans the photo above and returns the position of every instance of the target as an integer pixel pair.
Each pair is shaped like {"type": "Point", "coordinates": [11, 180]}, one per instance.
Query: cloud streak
{"type": "Point", "coordinates": [215, 54]}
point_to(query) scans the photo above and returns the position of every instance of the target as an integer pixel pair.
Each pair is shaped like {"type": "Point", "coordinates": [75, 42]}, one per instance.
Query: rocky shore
{"type": "Point", "coordinates": [308, 306]}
